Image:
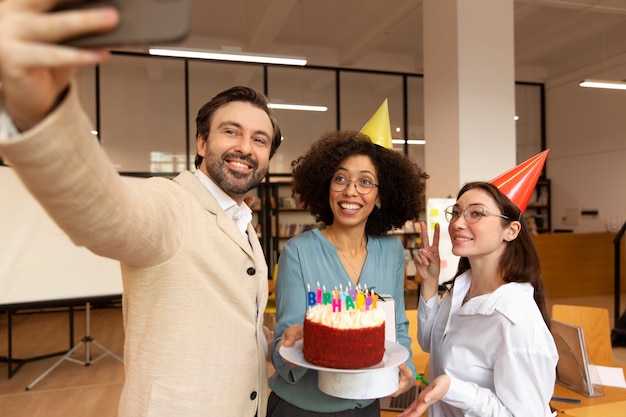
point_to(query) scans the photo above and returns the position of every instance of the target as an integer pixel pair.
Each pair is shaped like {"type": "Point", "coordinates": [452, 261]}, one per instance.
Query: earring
{"type": "Point", "coordinates": [378, 205]}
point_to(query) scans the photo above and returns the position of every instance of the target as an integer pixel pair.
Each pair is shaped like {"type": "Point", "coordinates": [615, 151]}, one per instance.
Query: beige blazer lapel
{"type": "Point", "coordinates": [189, 181]}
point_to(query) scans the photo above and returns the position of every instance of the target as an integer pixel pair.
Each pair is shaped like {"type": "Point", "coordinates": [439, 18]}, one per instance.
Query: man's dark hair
{"type": "Point", "coordinates": [237, 93]}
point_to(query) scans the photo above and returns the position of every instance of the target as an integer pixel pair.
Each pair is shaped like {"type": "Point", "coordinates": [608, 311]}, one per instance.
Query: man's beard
{"type": "Point", "coordinates": [230, 181]}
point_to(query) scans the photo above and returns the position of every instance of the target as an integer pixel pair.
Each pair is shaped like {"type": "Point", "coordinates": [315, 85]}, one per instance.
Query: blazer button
{"type": "Point", "coordinates": [251, 271]}
{"type": "Point", "coordinates": [253, 395]}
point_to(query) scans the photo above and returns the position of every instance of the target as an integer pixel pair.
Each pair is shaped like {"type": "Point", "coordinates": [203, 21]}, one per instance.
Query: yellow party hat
{"type": "Point", "coordinates": [378, 127]}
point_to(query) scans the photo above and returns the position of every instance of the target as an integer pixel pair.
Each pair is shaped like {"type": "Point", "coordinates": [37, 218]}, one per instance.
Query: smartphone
{"type": "Point", "coordinates": [142, 22]}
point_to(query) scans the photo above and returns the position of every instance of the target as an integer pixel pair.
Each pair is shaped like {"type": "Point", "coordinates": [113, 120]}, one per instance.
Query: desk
{"type": "Point", "coordinates": [611, 395]}
{"type": "Point", "coordinates": [614, 409]}
{"type": "Point", "coordinates": [612, 403]}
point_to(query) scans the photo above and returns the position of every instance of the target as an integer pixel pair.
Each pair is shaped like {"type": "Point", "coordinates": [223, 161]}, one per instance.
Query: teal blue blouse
{"type": "Point", "coordinates": [310, 258]}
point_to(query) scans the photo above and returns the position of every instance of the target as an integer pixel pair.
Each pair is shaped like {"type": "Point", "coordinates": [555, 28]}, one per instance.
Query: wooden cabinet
{"type": "Point", "coordinates": [578, 264]}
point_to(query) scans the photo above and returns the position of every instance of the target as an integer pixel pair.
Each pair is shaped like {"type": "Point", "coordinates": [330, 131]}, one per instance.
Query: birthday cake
{"type": "Point", "coordinates": [343, 330]}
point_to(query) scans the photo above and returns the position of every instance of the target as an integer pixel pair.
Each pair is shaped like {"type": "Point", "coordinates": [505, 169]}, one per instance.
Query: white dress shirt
{"type": "Point", "coordinates": [241, 214]}
{"type": "Point", "coordinates": [496, 349]}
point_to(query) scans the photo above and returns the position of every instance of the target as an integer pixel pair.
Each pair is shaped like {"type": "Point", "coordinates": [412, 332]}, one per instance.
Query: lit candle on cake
{"type": "Point", "coordinates": [374, 300]}
{"type": "Point", "coordinates": [326, 297]}
{"type": "Point", "coordinates": [336, 304]}
{"type": "Point", "coordinates": [360, 300]}
{"type": "Point", "coordinates": [311, 299]}
{"type": "Point", "coordinates": [319, 293]}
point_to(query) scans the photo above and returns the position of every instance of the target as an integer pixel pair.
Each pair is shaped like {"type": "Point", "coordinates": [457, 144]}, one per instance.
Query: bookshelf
{"type": "Point", "coordinates": [538, 212]}
{"type": "Point", "coordinates": [278, 214]}
{"type": "Point", "coordinates": [410, 235]}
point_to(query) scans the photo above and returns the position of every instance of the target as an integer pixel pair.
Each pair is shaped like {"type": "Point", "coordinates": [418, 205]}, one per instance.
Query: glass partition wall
{"type": "Point", "coordinates": [144, 107]}
{"type": "Point", "coordinates": [144, 110]}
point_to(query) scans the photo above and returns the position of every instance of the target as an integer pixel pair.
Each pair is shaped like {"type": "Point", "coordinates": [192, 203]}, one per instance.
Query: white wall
{"type": "Point", "coordinates": [38, 262]}
{"type": "Point", "coordinates": [586, 132]}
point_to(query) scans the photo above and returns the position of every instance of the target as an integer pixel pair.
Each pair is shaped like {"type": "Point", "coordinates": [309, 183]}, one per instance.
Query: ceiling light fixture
{"type": "Point", "coordinates": [614, 85]}
{"type": "Point", "coordinates": [408, 141]}
{"type": "Point", "coordinates": [227, 56]}
{"type": "Point", "coordinates": [283, 106]}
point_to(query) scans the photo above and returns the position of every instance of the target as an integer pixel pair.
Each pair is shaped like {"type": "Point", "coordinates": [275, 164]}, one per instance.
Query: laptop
{"type": "Point", "coordinates": [573, 370]}
{"type": "Point", "coordinates": [402, 401]}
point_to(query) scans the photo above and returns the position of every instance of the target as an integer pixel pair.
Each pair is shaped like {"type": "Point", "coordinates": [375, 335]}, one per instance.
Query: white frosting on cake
{"type": "Point", "coordinates": [347, 319]}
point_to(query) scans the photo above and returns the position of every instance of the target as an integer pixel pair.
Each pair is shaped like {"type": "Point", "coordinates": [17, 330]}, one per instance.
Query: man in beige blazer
{"type": "Point", "coordinates": [194, 277]}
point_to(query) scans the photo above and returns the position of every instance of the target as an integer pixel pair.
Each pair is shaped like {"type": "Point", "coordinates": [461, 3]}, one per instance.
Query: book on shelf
{"type": "Point", "coordinates": [287, 202]}
{"type": "Point", "coordinates": [410, 227]}
{"type": "Point", "coordinates": [293, 229]}
{"type": "Point", "coordinates": [539, 196]}
{"type": "Point", "coordinates": [253, 202]}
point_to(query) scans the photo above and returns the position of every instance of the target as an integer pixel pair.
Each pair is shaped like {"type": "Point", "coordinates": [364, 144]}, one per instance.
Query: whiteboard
{"type": "Point", "coordinates": [435, 213]}
{"type": "Point", "coordinates": [38, 262]}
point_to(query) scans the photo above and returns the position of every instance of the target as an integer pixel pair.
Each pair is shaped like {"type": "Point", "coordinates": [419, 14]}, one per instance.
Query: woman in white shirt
{"type": "Point", "coordinates": [491, 351]}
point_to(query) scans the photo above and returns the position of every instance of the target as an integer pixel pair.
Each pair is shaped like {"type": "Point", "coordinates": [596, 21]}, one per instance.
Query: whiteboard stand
{"type": "Point", "coordinates": [14, 364]}
{"type": "Point", "coordinates": [87, 340]}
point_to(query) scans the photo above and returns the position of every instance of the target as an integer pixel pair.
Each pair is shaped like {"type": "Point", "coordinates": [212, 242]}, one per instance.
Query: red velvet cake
{"type": "Point", "coordinates": [352, 339]}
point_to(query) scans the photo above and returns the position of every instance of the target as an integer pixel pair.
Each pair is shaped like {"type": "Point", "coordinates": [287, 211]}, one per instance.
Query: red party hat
{"type": "Point", "coordinates": [518, 183]}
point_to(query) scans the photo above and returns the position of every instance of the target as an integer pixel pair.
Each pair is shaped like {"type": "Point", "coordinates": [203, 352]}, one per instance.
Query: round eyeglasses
{"type": "Point", "coordinates": [363, 186]}
{"type": "Point", "coordinates": [472, 214]}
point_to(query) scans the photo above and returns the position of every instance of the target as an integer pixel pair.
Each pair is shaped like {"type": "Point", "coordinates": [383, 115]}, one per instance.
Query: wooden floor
{"type": "Point", "coordinates": [71, 389]}
{"type": "Point", "coordinates": [75, 390]}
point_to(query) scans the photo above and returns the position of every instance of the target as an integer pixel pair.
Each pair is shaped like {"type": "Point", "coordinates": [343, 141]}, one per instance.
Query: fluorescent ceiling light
{"type": "Point", "coordinates": [282, 106]}
{"type": "Point", "coordinates": [409, 141]}
{"type": "Point", "coordinates": [615, 85]}
{"type": "Point", "coordinates": [227, 56]}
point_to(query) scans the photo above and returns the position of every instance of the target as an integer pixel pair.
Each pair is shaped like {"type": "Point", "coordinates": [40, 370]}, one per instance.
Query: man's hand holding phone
{"type": "Point", "coordinates": [34, 66]}
{"type": "Point", "coordinates": [37, 39]}
{"type": "Point", "coordinates": [142, 22]}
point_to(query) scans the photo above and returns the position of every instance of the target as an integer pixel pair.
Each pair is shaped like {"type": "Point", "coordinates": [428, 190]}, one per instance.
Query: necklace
{"type": "Point", "coordinates": [356, 270]}
{"type": "Point", "coordinates": [340, 252]}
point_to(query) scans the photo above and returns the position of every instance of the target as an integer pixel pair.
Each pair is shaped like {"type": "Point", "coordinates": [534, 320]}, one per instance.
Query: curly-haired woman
{"type": "Point", "coordinates": [359, 191]}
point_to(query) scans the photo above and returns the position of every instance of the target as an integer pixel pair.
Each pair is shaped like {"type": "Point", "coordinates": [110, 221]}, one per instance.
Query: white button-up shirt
{"type": "Point", "coordinates": [241, 214]}
{"type": "Point", "coordinates": [497, 350]}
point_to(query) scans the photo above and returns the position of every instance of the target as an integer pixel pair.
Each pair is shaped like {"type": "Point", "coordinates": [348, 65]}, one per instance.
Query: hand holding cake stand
{"type": "Point", "coordinates": [372, 382]}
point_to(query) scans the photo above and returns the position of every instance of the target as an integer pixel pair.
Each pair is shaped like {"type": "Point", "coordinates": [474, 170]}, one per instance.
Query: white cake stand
{"type": "Point", "coordinates": [366, 383]}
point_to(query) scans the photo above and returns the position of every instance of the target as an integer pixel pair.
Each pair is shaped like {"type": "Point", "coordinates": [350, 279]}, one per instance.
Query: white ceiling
{"type": "Point", "coordinates": [552, 37]}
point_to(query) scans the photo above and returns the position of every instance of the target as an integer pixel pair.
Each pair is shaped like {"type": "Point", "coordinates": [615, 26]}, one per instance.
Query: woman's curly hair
{"type": "Point", "coordinates": [401, 182]}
